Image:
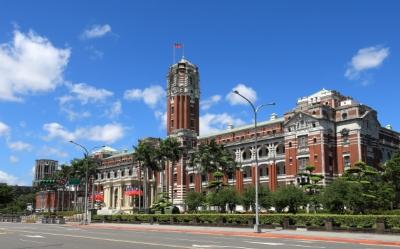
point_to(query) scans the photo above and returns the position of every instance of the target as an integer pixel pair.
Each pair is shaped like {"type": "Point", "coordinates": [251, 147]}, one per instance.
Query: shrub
{"type": "Point", "coordinates": [303, 220]}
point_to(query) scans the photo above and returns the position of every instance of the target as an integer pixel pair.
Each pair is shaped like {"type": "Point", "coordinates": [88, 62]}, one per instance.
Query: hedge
{"type": "Point", "coordinates": [295, 220]}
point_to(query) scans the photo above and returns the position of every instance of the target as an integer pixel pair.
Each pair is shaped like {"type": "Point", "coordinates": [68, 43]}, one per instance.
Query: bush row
{"type": "Point", "coordinates": [297, 220]}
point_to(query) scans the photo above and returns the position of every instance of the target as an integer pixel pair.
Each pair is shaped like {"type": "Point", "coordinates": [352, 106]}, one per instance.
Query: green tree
{"type": "Point", "coordinates": [392, 175]}
{"type": "Point", "coordinates": [194, 200]}
{"type": "Point", "coordinates": [335, 196]}
{"type": "Point", "coordinates": [6, 195]}
{"type": "Point", "coordinates": [215, 159]}
{"type": "Point", "coordinates": [161, 203]}
{"type": "Point", "coordinates": [226, 197]}
{"type": "Point", "coordinates": [369, 191]}
{"type": "Point", "coordinates": [248, 198]}
{"type": "Point", "coordinates": [310, 182]}
{"type": "Point", "coordinates": [171, 149]}
{"type": "Point", "coordinates": [146, 154]}
{"type": "Point", "coordinates": [290, 197]}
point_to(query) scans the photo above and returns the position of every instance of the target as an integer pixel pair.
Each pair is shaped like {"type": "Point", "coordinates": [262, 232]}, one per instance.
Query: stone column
{"type": "Point", "coordinates": [120, 197]}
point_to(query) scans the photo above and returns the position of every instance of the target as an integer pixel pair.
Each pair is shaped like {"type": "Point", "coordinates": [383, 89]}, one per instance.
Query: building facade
{"type": "Point", "coordinates": [326, 129]}
{"type": "Point", "coordinates": [44, 169]}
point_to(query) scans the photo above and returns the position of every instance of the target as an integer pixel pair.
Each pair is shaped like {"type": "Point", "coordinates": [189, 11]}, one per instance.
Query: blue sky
{"type": "Point", "coordinates": [95, 72]}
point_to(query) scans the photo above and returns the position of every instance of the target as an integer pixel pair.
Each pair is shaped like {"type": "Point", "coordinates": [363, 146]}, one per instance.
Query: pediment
{"type": "Point", "coordinates": [302, 120]}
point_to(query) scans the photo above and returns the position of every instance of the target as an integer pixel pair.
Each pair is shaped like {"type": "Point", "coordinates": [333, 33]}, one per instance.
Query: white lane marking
{"type": "Point", "coordinates": [266, 243]}
{"type": "Point", "coordinates": [28, 240]}
{"type": "Point", "coordinates": [307, 241]}
{"type": "Point", "coordinates": [217, 246]}
{"type": "Point", "coordinates": [111, 240]}
{"type": "Point", "coordinates": [304, 246]}
{"type": "Point", "coordinates": [34, 236]}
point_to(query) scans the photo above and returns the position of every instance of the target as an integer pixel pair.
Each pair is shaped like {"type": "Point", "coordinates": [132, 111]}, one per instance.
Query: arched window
{"type": "Point", "coordinates": [280, 149]}
{"type": "Point", "coordinates": [246, 154]}
{"type": "Point", "coordinates": [263, 152]}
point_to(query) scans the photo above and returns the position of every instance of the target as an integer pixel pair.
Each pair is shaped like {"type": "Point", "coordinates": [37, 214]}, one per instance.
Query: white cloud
{"type": "Point", "coordinates": [4, 129]}
{"type": "Point", "coordinates": [162, 118]}
{"type": "Point", "coordinates": [13, 159]}
{"type": "Point", "coordinates": [207, 103]}
{"type": "Point", "coordinates": [210, 123]}
{"type": "Point", "coordinates": [19, 146]}
{"type": "Point", "coordinates": [115, 110]}
{"type": "Point", "coordinates": [366, 58]}
{"type": "Point", "coordinates": [86, 93]}
{"type": "Point", "coordinates": [151, 96]}
{"type": "Point", "coordinates": [72, 114]}
{"type": "Point", "coordinates": [10, 179]}
{"type": "Point", "coordinates": [108, 133]}
{"type": "Point", "coordinates": [244, 90]}
{"type": "Point", "coordinates": [30, 64]}
{"type": "Point", "coordinates": [96, 31]}
{"type": "Point", "coordinates": [55, 130]}
{"type": "Point", "coordinates": [94, 54]}
{"type": "Point", "coordinates": [47, 151]}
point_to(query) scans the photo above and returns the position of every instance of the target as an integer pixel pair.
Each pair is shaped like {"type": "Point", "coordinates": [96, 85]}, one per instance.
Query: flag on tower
{"type": "Point", "coordinates": [178, 45]}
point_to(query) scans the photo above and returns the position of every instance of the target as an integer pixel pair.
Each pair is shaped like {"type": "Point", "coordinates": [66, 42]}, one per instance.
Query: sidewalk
{"type": "Point", "coordinates": [344, 237]}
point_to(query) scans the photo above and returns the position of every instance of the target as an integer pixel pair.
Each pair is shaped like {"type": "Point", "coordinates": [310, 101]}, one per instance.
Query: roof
{"type": "Point", "coordinates": [104, 149]}
{"type": "Point", "coordinates": [244, 127]}
{"type": "Point", "coordinates": [317, 95]}
{"type": "Point", "coordinates": [120, 154]}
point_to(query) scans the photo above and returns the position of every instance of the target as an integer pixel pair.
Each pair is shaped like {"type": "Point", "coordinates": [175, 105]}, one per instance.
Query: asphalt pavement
{"type": "Point", "coordinates": [104, 236]}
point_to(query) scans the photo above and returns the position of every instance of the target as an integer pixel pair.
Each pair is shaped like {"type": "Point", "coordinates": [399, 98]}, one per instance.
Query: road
{"type": "Point", "coordinates": [37, 236]}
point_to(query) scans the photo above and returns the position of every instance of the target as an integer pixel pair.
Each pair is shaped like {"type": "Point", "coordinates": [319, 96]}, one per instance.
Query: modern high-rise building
{"type": "Point", "coordinates": [326, 129]}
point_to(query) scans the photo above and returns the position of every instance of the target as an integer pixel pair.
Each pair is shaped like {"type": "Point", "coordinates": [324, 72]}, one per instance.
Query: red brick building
{"type": "Point", "coordinates": [326, 129]}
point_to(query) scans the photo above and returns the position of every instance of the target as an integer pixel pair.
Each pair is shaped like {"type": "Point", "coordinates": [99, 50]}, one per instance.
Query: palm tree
{"type": "Point", "coordinates": [171, 150]}
{"type": "Point", "coordinates": [214, 158]}
{"type": "Point", "coordinates": [78, 170]}
{"type": "Point", "coordinates": [63, 176]}
{"type": "Point", "coordinates": [146, 154]}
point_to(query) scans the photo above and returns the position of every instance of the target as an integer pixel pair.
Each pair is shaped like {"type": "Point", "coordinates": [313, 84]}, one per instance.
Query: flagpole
{"type": "Point", "coordinates": [183, 51]}
{"type": "Point", "coordinates": [173, 55]}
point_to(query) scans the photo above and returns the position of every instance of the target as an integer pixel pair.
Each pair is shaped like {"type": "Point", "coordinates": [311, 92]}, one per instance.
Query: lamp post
{"type": "Point", "coordinates": [255, 110]}
{"type": "Point", "coordinates": [86, 155]}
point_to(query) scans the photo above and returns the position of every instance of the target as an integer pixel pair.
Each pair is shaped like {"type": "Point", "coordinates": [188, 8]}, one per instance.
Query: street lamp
{"type": "Point", "coordinates": [255, 110]}
{"type": "Point", "coordinates": [86, 154]}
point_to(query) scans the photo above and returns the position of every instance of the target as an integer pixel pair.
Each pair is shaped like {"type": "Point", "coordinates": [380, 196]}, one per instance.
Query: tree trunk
{"type": "Point", "coordinates": [145, 190]}
{"type": "Point", "coordinates": [172, 183]}
{"type": "Point", "coordinates": [140, 185]}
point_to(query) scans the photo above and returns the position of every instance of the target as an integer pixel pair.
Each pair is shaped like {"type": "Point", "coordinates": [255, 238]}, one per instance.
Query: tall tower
{"type": "Point", "coordinates": [183, 95]}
